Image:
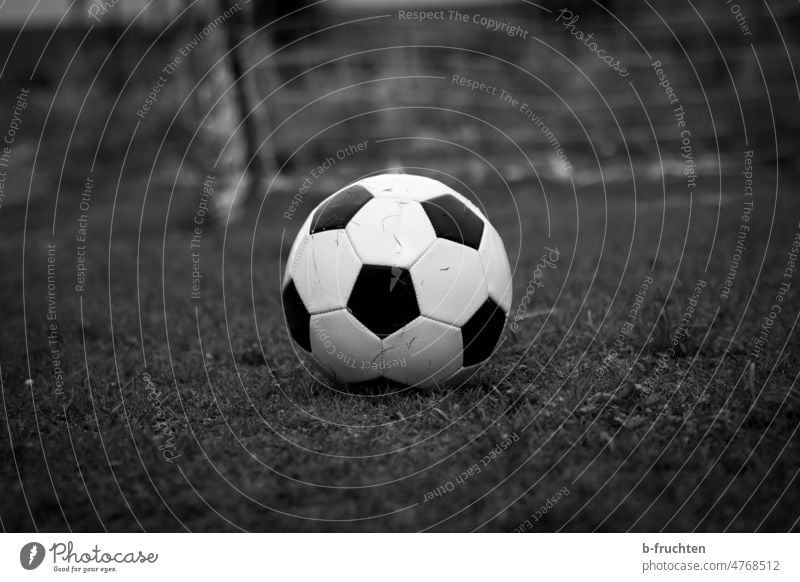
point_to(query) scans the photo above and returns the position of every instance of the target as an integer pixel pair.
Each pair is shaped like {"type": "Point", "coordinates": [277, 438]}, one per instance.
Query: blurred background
{"type": "Point", "coordinates": [305, 65]}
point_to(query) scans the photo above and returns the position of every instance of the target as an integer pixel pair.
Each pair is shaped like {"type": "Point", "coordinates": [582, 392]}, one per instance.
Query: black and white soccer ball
{"type": "Point", "coordinates": [397, 276]}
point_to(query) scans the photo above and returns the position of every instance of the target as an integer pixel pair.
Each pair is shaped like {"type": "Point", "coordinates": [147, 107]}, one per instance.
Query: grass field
{"type": "Point", "coordinates": [180, 413]}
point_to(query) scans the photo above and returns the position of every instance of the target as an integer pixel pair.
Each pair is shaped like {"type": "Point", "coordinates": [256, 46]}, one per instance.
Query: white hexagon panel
{"type": "Point", "coordinates": [409, 187]}
{"type": "Point", "coordinates": [449, 282]}
{"type": "Point", "coordinates": [424, 353]}
{"type": "Point", "coordinates": [347, 349]}
{"type": "Point", "coordinates": [390, 232]}
{"type": "Point", "coordinates": [325, 270]}
{"type": "Point", "coordinates": [495, 265]}
{"type": "Point", "coordinates": [300, 241]}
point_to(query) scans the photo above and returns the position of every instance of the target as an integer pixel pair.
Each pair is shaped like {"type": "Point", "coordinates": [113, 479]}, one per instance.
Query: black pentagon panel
{"type": "Point", "coordinates": [337, 212]}
{"type": "Point", "coordinates": [297, 316]}
{"type": "Point", "coordinates": [481, 332]}
{"type": "Point", "coordinates": [383, 299]}
{"type": "Point", "coordinates": [454, 220]}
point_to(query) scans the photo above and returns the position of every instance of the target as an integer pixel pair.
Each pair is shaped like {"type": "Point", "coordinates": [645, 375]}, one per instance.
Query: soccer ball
{"type": "Point", "coordinates": [400, 277]}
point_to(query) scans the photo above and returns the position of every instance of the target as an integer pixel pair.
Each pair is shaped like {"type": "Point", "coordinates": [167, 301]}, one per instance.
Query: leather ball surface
{"type": "Point", "coordinates": [397, 276]}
